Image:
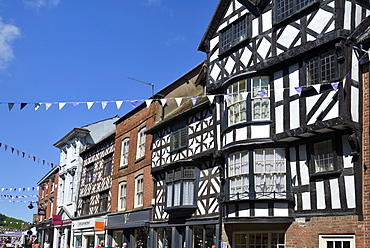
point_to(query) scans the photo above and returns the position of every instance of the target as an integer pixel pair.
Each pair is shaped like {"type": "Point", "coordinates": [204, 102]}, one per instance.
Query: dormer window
{"type": "Point", "coordinates": [233, 34]}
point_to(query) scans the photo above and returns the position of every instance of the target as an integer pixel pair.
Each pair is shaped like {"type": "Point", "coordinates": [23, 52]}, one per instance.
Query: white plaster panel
{"type": "Point", "coordinates": [255, 22]}
{"type": "Point", "coordinates": [306, 201]}
{"type": "Point", "coordinates": [244, 210]}
{"type": "Point", "coordinates": [279, 51]}
{"type": "Point", "coordinates": [264, 48]}
{"type": "Point", "coordinates": [261, 210]}
{"type": "Point", "coordinates": [260, 131]}
{"type": "Point", "coordinates": [246, 56]}
{"type": "Point", "coordinates": [213, 43]}
{"type": "Point", "coordinates": [293, 166]}
{"type": "Point", "coordinates": [229, 65]}
{"type": "Point", "coordinates": [233, 18]}
{"type": "Point", "coordinates": [229, 11]}
{"type": "Point", "coordinates": [294, 114]}
{"type": "Point", "coordinates": [229, 137]}
{"type": "Point", "coordinates": [334, 193]}
{"type": "Point", "coordinates": [238, 5]}
{"type": "Point", "coordinates": [215, 72]}
{"type": "Point", "coordinates": [354, 104]}
{"type": "Point", "coordinates": [310, 37]}
{"type": "Point", "coordinates": [279, 122]}
{"type": "Point", "coordinates": [241, 133]}
{"type": "Point", "coordinates": [355, 67]}
{"type": "Point", "coordinates": [320, 194]}
{"type": "Point", "coordinates": [333, 113]}
{"type": "Point", "coordinates": [347, 15]}
{"type": "Point", "coordinates": [222, 26]}
{"type": "Point", "coordinates": [293, 79]}
{"type": "Point", "coordinates": [288, 36]}
{"type": "Point", "coordinates": [320, 20]}
{"type": "Point", "coordinates": [278, 86]}
{"type": "Point", "coordinates": [303, 167]}
{"type": "Point", "coordinates": [267, 21]}
{"type": "Point", "coordinates": [349, 182]}
{"type": "Point", "coordinates": [281, 209]}
{"type": "Point", "coordinates": [219, 135]}
{"type": "Point", "coordinates": [358, 15]}
{"type": "Point", "coordinates": [310, 102]}
{"type": "Point", "coordinates": [244, 12]}
{"type": "Point", "coordinates": [347, 158]}
{"type": "Point", "coordinates": [231, 212]}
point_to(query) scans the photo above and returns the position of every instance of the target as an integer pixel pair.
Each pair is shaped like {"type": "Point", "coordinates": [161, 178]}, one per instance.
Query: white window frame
{"type": "Point", "coordinates": [323, 239]}
{"type": "Point", "coordinates": [257, 87]}
{"type": "Point", "coordinates": [125, 144]}
{"type": "Point", "coordinates": [324, 156]}
{"type": "Point", "coordinates": [181, 186]}
{"type": "Point", "coordinates": [141, 138]}
{"type": "Point", "coordinates": [238, 167]}
{"type": "Point", "coordinates": [122, 195]}
{"type": "Point", "coordinates": [248, 234]}
{"type": "Point", "coordinates": [236, 104]}
{"type": "Point", "coordinates": [139, 188]}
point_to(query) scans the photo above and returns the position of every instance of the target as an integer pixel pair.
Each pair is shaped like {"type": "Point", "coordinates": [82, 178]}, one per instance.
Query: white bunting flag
{"type": "Point", "coordinates": [178, 101]}
{"type": "Point", "coordinates": [37, 106]}
{"type": "Point", "coordinates": [211, 98]}
{"type": "Point", "coordinates": [119, 104]}
{"type": "Point", "coordinates": [148, 102]}
{"type": "Point", "coordinates": [104, 104]}
{"type": "Point", "coordinates": [48, 105]}
{"type": "Point", "coordinates": [317, 87]}
{"type": "Point", "coordinates": [61, 105]}
{"type": "Point", "coordinates": [89, 104]}
{"type": "Point", "coordinates": [244, 95]}
{"type": "Point", "coordinates": [163, 101]}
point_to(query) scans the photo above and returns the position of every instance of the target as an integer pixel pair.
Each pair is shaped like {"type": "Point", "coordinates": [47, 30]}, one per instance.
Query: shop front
{"type": "Point", "coordinates": [45, 231]}
{"type": "Point", "coordinates": [88, 233]}
{"type": "Point", "coordinates": [129, 227]}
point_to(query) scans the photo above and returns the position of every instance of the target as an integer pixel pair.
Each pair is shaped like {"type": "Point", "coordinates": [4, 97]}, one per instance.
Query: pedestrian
{"type": "Point", "coordinates": [47, 244]}
{"type": "Point", "coordinates": [101, 243]}
{"type": "Point", "coordinates": [36, 245]}
{"type": "Point", "coordinates": [124, 245]}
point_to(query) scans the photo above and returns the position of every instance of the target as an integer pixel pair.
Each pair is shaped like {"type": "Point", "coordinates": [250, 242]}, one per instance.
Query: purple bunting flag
{"type": "Point", "coordinates": [335, 86]}
{"type": "Point", "coordinates": [226, 97]}
{"type": "Point", "coordinates": [262, 94]}
{"type": "Point", "coordinates": [134, 103]}
{"type": "Point", "coordinates": [75, 104]}
{"type": "Point", "coordinates": [194, 100]}
{"type": "Point", "coordinates": [10, 106]}
{"type": "Point", "coordinates": [299, 90]}
{"type": "Point", "coordinates": [23, 105]}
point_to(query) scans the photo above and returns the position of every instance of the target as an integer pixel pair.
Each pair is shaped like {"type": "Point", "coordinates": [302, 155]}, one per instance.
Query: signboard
{"type": "Point", "coordinates": [41, 211]}
{"type": "Point", "coordinates": [57, 220]}
{"type": "Point", "coordinates": [99, 226]}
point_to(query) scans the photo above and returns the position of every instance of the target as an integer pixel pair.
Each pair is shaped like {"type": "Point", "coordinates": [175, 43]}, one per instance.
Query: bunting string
{"type": "Point", "coordinates": [17, 196]}
{"type": "Point", "coordinates": [25, 155]}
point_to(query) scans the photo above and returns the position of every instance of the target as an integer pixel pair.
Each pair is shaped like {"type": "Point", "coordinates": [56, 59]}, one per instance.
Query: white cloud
{"type": "Point", "coordinates": [8, 33]}
{"type": "Point", "coordinates": [154, 2]}
{"type": "Point", "coordinates": [36, 4]}
{"type": "Point", "coordinates": [174, 39]}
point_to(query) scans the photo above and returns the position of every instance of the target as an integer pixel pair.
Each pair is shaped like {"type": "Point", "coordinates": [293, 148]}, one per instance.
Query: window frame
{"type": "Point", "coordinates": [236, 99]}
{"type": "Point", "coordinates": [85, 208]}
{"type": "Point", "coordinates": [122, 196]}
{"type": "Point", "coordinates": [248, 159]}
{"type": "Point", "coordinates": [89, 175]}
{"type": "Point", "coordinates": [108, 164]}
{"type": "Point", "coordinates": [294, 8]}
{"type": "Point", "coordinates": [103, 201]}
{"type": "Point", "coordinates": [141, 141]}
{"type": "Point", "coordinates": [139, 190]}
{"type": "Point", "coordinates": [318, 77]}
{"type": "Point", "coordinates": [180, 130]}
{"type": "Point", "coordinates": [180, 180]}
{"type": "Point", "coordinates": [337, 237]}
{"type": "Point", "coordinates": [125, 146]}
{"type": "Point", "coordinates": [232, 29]}
{"type": "Point", "coordinates": [269, 237]}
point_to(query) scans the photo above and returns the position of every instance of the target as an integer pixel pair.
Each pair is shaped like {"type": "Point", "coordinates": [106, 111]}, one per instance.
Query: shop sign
{"type": "Point", "coordinates": [99, 226]}
{"type": "Point", "coordinates": [57, 220]}
{"type": "Point", "coordinates": [41, 211]}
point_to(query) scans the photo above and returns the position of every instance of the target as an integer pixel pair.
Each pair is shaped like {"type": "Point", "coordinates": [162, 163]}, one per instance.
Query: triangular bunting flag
{"type": "Point", "coordinates": [244, 95]}
{"type": "Point", "coordinates": [5, 147]}
{"type": "Point", "coordinates": [262, 93]}
{"type": "Point", "coordinates": [119, 104]}
{"type": "Point", "coordinates": [75, 104]}
{"type": "Point", "coordinates": [10, 106]}
{"type": "Point", "coordinates": [178, 101]}
{"type": "Point", "coordinates": [61, 105]}
{"type": "Point", "coordinates": [104, 104]}
{"type": "Point", "coordinates": [299, 90]}
{"type": "Point", "coordinates": [23, 105]}
{"type": "Point", "coordinates": [148, 102]}
{"type": "Point", "coordinates": [226, 97]}
{"type": "Point", "coordinates": [163, 101]}
{"type": "Point", "coordinates": [335, 86]}
{"type": "Point", "coordinates": [317, 87]}
{"type": "Point", "coordinates": [194, 100]}
{"type": "Point", "coordinates": [133, 103]}
{"type": "Point", "coordinates": [89, 104]}
{"type": "Point", "coordinates": [12, 149]}
{"type": "Point", "coordinates": [211, 98]}
{"type": "Point", "coordinates": [37, 106]}
{"type": "Point", "coordinates": [18, 151]}
{"type": "Point", "coordinates": [47, 105]}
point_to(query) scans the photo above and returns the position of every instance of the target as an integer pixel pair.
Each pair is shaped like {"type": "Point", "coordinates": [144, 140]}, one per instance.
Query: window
{"type": "Point", "coordinates": [336, 241]}
{"type": "Point", "coordinates": [107, 167]}
{"type": "Point", "coordinates": [261, 101]}
{"type": "Point", "coordinates": [89, 173]}
{"type": "Point", "coordinates": [323, 156]}
{"type": "Point", "coordinates": [238, 107]}
{"type": "Point", "coordinates": [85, 205]}
{"type": "Point", "coordinates": [139, 183]}
{"type": "Point", "coordinates": [321, 69]}
{"type": "Point", "coordinates": [179, 136]}
{"type": "Point", "coordinates": [103, 201]}
{"type": "Point", "coordinates": [181, 186]}
{"type": "Point", "coordinates": [268, 171]}
{"type": "Point", "coordinates": [124, 151]}
{"type": "Point", "coordinates": [141, 143]}
{"type": "Point", "coordinates": [233, 34]}
{"type": "Point", "coordinates": [122, 196]}
{"type": "Point", "coordinates": [287, 8]}
{"type": "Point", "coordinates": [259, 239]}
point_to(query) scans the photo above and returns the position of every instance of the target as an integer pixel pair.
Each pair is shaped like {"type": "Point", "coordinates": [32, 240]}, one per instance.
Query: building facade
{"type": "Point", "coordinates": [132, 185]}
{"type": "Point", "coordinates": [289, 121]}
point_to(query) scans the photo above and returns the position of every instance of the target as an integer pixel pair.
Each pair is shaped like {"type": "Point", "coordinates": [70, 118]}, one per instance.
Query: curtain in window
{"type": "Point", "coordinates": [188, 193]}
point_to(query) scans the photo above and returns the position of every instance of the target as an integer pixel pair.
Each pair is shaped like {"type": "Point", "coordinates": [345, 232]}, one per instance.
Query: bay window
{"type": "Point", "coordinates": [124, 152]}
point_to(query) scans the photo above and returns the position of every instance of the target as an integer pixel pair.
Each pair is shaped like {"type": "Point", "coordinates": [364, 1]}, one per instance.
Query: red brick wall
{"type": "Point", "coordinates": [46, 190]}
{"type": "Point", "coordinates": [130, 128]}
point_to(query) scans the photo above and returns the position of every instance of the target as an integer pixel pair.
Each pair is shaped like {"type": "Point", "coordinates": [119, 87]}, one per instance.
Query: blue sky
{"type": "Point", "coordinates": [54, 51]}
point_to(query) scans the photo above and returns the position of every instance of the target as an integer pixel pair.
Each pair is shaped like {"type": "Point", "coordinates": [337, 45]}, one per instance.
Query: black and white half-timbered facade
{"type": "Point", "coordinates": [185, 172]}
{"type": "Point", "coordinates": [94, 198]}
{"type": "Point", "coordinates": [287, 120]}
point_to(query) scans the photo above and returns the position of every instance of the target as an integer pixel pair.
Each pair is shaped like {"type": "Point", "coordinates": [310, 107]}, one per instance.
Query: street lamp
{"type": "Point", "coordinates": [30, 206]}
